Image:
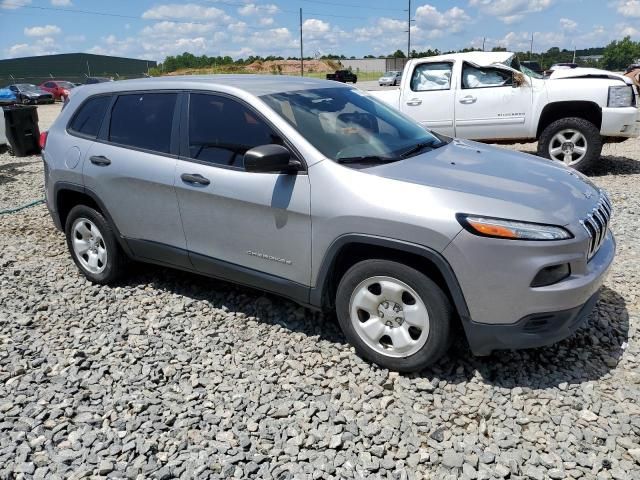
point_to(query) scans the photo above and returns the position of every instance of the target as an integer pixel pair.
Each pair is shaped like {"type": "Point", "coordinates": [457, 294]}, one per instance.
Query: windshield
{"type": "Point", "coordinates": [67, 85]}
{"type": "Point", "coordinates": [514, 63]}
{"type": "Point", "coordinates": [27, 87]}
{"type": "Point", "coordinates": [347, 125]}
{"type": "Point", "coordinates": [389, 74]}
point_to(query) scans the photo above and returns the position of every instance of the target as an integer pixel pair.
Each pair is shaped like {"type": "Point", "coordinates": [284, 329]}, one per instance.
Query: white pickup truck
{"type": "Point", "coordinates": [489, 96]}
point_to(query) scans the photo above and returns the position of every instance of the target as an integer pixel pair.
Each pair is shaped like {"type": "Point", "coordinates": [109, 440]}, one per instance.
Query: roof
{"type": "Point", "coordinates": [479, 58]}
{"type": "Point", "coordinates": [254, 84]}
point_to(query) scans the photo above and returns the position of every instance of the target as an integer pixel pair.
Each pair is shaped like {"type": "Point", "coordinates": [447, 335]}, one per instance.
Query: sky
{"type": "Point", "coordinates": [239, 28]}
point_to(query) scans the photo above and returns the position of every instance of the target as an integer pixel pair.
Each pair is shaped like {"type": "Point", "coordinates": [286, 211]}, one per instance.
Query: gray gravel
{"type": "Point", "coordinates": [173, 375]}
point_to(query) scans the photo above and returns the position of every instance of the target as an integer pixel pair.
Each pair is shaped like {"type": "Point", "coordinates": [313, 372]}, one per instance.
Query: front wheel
{"type": "Point", "coordinates": [393, 315]}
{"type": "Point", "coordinates": [574, 141]}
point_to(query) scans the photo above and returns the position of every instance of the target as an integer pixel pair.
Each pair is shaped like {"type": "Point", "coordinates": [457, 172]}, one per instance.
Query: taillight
{"type": "Point", "coordinates": [43, 140]}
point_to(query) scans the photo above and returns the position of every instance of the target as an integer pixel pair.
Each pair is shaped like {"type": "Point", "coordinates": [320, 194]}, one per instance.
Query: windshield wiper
{"type": "Point", "coordinates": [417, 147]}
{"type": "Point", "coordinates": [367, 159]}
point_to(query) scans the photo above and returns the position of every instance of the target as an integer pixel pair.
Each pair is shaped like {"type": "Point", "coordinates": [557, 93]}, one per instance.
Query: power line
{"type": "Point", "coordinates": [132, 17]}
{"type": "Point", "coordinates": [351, 5]}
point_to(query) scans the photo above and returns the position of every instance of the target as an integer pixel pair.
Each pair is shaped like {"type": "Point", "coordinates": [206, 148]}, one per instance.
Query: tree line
{"type": "Point", "coordinates": [615, 56]}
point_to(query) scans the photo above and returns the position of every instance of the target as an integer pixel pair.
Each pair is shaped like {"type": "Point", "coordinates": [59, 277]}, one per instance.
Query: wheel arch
{"type": "Point", "coordinates": [67, 195]}
{"type": "Point", "coordinates": [586, 110]}
{"type": "Point", "coordinates": [349, 249]}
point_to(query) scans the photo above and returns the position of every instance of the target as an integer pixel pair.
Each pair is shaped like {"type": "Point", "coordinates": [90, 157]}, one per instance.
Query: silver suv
{"type": "Point", "coordinates": [317, 192]}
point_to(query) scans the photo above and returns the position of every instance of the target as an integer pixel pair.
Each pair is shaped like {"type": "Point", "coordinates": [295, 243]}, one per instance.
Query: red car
{"type": "Point", "coordinates": [58, 88]}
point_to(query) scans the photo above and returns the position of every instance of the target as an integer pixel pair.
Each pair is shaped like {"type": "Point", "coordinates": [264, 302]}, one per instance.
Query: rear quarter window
{"type": "Point", "coordinates": [89, 116]}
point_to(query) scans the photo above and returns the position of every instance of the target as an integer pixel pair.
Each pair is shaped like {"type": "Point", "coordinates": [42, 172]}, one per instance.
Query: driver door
{"type": "Point", "coordinates": [233, 219]}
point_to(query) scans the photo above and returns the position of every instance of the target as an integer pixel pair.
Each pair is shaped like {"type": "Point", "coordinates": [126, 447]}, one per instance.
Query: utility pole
{"type": "Point", "coordinates": [574, 53]}
{"type": "Point", "coordinates": [301, 51]}
{"type": "Point", "coordinates": [483, 40]}
{"type": "Point", "coordinates": [531, 51]}
{"type": "Point", "coordinates": [409, 31]}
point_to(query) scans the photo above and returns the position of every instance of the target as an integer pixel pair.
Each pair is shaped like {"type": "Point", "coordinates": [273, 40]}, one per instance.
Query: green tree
{"type": "Point", "coordinates": [398, 54]}
{"type": "Point", "coordinates": [619, 54]}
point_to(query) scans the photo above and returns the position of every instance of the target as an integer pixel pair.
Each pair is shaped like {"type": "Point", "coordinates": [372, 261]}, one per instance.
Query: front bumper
{"type": "Point", "coordinates": [537, 330]}
{"type": "Point", "coordinates": [620, 122]}
{"type": "Point", "coordinates": [504, 310]}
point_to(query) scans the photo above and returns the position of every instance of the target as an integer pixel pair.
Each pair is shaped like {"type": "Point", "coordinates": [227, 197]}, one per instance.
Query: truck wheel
{"type": "Point", "coordinates": [393, 315]}
{"type": "Point", "coordinates": [93, 245]}
{"type": "Point", "coordinates": [574, 141]}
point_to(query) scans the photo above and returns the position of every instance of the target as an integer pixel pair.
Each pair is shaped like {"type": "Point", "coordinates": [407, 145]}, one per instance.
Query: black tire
{"type": "Point", "coordinates": [435, 300]}
{"type": "Point", "coordinates": [116, 258]}
{"type": "Point", "coordinates": [586, 128]}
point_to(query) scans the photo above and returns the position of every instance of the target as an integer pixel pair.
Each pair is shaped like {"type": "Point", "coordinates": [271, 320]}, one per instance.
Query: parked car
{"type": "Point", "coordinates": [7, 97]}
{"type": "Point", "coordinates": [28, 93]}
{"type": "Point", "coordinates": [490, 96]}
{"type": "Point", "coordinates": [390, 78]}
{"type": "Point", "coordinates": [58, 88]}
{"type": "Point", "coordinates": [343, 76]}
{"type": "Point", "coordinates": [92, 80]}
{"type": "Point", "coordinates": [313, 191]}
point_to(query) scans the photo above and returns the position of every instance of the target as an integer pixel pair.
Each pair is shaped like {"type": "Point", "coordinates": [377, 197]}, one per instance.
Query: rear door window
{"type": "Point", "coordinates": [143, 120]}
{"type": "Point", "coordinates": [89, 117]}
{"type": "Point", "coordinates": [431, 76]}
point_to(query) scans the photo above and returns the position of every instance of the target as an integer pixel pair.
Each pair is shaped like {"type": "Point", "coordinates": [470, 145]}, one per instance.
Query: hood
{"type": "Point", "coordinates": [540, 189]}
{"type": "Point", "coordinates": [585, 73]}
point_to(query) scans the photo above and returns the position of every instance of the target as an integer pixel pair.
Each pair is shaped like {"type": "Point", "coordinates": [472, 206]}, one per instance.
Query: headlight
{"type": "Point", "coordinates": [511, 229]}
{"type": "Point", "coordinates": [621, 96]}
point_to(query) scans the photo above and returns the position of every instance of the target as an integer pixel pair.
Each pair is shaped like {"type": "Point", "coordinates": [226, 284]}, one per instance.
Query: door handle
{"type": "Point", "coordinates": [194, 178]}
{"type": "Point", "coordinates": [468, 99]}
{"type": "Point", "coordinates": [414, 102]}
{"type": "Point", "coordinates": [100, 160]}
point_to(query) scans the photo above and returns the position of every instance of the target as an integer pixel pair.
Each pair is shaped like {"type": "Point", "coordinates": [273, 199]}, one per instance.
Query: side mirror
{"type": "Point", "coordinates": [270, 159]}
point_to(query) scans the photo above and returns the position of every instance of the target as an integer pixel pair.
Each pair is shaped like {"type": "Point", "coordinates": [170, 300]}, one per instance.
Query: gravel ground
{"type": "Point", "coordinates": [173, 375]}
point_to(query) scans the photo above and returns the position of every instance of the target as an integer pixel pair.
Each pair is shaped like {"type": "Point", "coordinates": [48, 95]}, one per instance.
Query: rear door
{"type": "Point", "coordinates": [428, 96]}
{"type": "Point", "coordinates": [234, 219]}
{"type": "Point", "coordinates": [131, 168]}
{"type": "Point", "coordinates": [489, 105]}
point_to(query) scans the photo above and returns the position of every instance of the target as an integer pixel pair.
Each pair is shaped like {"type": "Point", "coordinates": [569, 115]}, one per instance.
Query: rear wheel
{"type": "Point", "coordinates": [393, 315]}
{"type": "Point", "coordinates": [93, 245]}
{"type": "Point", "coordinates": [576, 142]}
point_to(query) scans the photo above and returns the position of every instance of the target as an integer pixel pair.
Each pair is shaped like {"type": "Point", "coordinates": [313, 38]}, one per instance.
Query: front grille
{"type": "Point", "coordinates": [596, 223]}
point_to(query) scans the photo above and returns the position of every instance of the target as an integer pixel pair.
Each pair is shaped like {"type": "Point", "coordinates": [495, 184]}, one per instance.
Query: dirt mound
{"type": "Point", "coordinates": [292, 66]}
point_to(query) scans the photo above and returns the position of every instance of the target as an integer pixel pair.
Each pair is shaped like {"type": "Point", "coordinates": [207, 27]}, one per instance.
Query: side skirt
{"type": "Point", "coordinates": [164, 255]}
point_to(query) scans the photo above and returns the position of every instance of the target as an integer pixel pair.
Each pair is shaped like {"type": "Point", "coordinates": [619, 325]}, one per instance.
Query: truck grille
{"type": "Point", "coordinates": [596, 223]}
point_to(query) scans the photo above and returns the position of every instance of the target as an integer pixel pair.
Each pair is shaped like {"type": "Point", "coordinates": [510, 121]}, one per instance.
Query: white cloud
{"type": "Point", "coordinates": [521, 41]}
{"type": "Point", "coordinates": [12, 5]}
{"type": "Point", "coordinates": [41, 46]}
{"type": "Point", "coordinates": [432, 23]}
{"type": "Point", "coordinates": [253, 9]}
{"type": "Point", "coordinates": [173, 29]}
{"type": "Point", "coordinates": [568, 25]}
{"type": "Point", "coordinates": [43, 31]}
{"type": "Point", "coordinates": [188, 11]}
{"type": "Point", "coordinates": [266, 21]}
{"type": "Point", "coordinates": [628, 30]}
{"type": "Point", "coordinates": [61, 3]}
{"type": "Point", "coordinates": [510, 11]}
{"type": "Point", "coordinates": [628, 8]}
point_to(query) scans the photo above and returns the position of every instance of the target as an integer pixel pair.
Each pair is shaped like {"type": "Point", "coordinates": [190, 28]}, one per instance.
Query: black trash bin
{"type": "Point", "coordinates": [23, 133]}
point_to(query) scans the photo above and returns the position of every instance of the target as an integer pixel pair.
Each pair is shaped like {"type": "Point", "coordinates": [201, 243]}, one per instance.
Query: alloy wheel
{"type": "Point", "coordinates": [88, 245]}
{"type": "Point", "coordinates": [568, 146]}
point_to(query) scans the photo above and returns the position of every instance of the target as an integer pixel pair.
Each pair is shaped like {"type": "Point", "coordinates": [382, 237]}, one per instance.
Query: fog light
{"type": "Point", "coordinates": [550, 275]}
